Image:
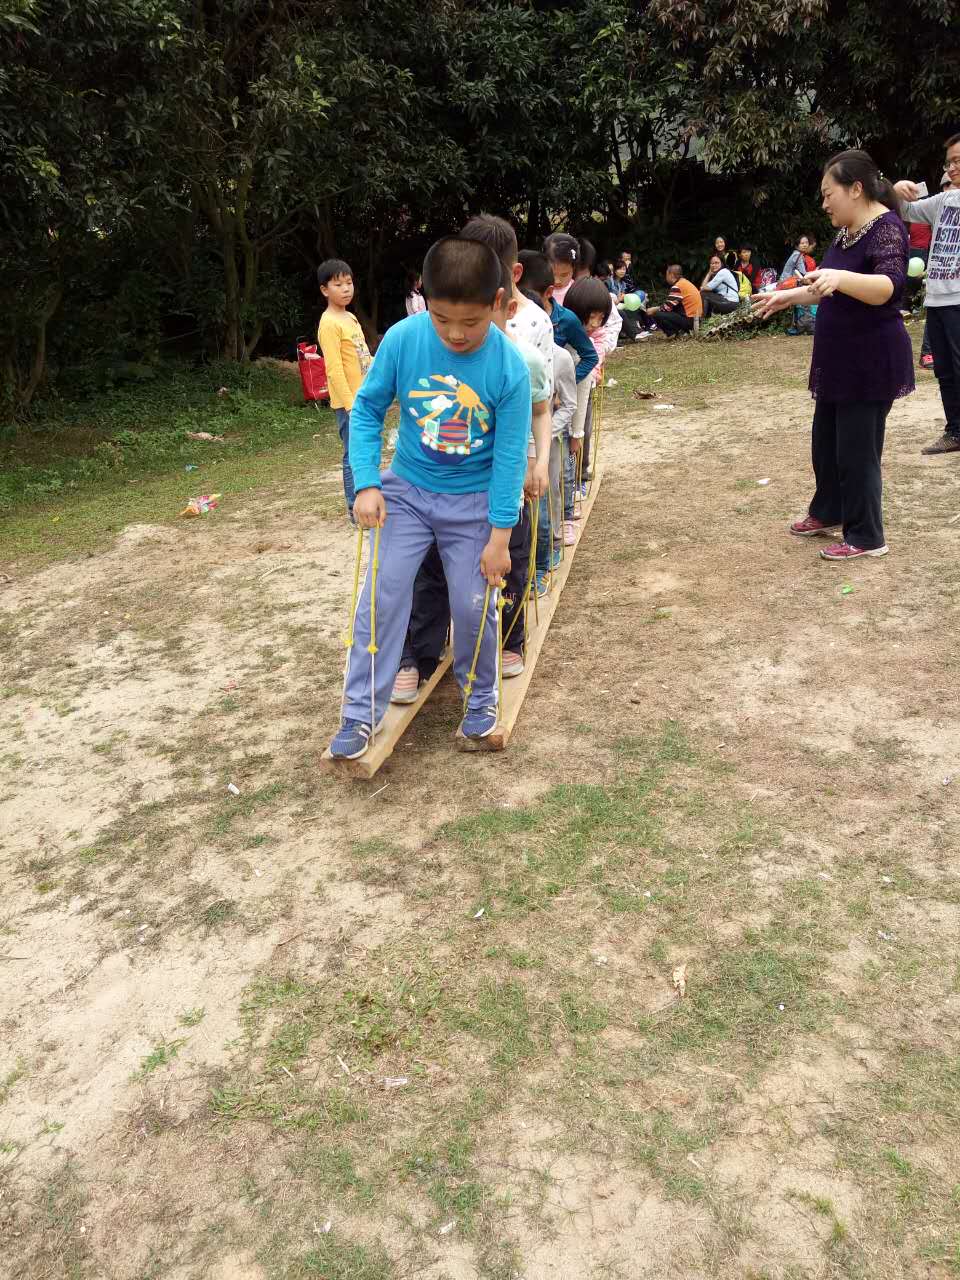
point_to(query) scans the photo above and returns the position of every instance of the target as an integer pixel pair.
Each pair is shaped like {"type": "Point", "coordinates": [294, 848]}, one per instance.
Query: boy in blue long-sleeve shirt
{"type": "Point", "coordinates": [456, 477]}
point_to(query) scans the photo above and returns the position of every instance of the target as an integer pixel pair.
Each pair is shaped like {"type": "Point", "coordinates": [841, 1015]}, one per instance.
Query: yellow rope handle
{"type": "Point", "coordinates": [534, 534]}
{"type": "Point", "coordinates": [531, 575]}
{"type": "Point", "coordinates": [375, 567]}
{"type": "Point", "coordinates": [597, 428]}
{"type": "Point", "coordinates": [472, 673]}
{"type": "Point", "coordinates": [347, 636]}
{"type": "Point", "coordinates": [500, 650]}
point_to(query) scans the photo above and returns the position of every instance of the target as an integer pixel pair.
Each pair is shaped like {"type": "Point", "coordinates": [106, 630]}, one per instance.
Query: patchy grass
{"type": "Point", "coordinates": [434, 1023]}
{"type": "Point", "coordinates": [76, 476]}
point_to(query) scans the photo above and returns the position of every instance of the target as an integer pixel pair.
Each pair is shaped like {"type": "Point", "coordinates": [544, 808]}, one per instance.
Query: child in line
{"type": "Point", "coordinates": [586, 262]}
{"type": "Point", "coordinates": [414, 300]}
{"type": "Point", "coordinates": [562, 252]}
{"type": "Point", "coordinates": [430, 615]}
{"type": "Point", "coordinates": [570, 334]}
{"type": "Point", "coordinates": [530, 328]}
{"type": "Point", "coordinates": [554, 532]}
{"type": "Point", "coordinates": [591, 303]}
{"type": "Point", "coordinates": [456, 478]}
{"type": "Point", "coordinates": [527, 321]}
{"type": "Point", "coordinates": [345, 353]}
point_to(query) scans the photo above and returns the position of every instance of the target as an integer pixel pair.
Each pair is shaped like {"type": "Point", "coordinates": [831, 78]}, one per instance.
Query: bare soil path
{"type": "Point", "coordinates": [428, 1025]}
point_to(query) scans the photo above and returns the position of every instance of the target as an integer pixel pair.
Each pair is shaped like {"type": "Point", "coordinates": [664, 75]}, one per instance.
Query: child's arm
{"type": "Point", "coordinates": [538, 477]}
{"type": "Point", "coordinates": [374, 398]}
{"type": "Point", "coordinates": [566, 397]}
{"type": "Point", "coordinates": [584, 348]}
{"type": "Point", "coordinates": [611, 332]}
{"type": "Point", "coordinates": [330, 339]}
{"type": "Point", "coordinates": [509, 464]}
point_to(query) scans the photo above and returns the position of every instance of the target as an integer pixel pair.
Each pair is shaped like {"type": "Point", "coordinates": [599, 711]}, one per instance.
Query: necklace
{"type": "Point", "coordinates": [846, 241]}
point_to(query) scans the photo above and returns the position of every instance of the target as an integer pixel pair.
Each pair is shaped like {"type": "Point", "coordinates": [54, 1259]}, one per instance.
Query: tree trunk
{"type": "Point", "coordinates": [233, 336]}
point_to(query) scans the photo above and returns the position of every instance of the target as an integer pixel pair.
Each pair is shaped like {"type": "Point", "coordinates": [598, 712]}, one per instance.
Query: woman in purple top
{"type": "Point", "coordinates": [862, 358]}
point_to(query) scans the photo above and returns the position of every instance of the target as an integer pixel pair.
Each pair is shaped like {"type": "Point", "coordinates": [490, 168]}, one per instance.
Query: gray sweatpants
{"type": "Point", "coordinates": [415, 517]}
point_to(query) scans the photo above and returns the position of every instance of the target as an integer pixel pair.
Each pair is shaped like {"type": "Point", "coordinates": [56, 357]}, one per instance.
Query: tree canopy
{"type": "Point", "coordinates": [174, 169]}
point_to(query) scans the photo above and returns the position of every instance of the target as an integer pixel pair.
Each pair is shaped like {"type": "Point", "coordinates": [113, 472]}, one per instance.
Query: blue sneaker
{"type": "Point", "coordinates": [584, 487]}
{"type": "Point", "coordinates": [557, 558]}
{"type": "Point", "coordinates": [543, 585]}
{"type": "Point", "coordinates": [479, 722]}
{"type": "Point", "coordinates": [351, 740]}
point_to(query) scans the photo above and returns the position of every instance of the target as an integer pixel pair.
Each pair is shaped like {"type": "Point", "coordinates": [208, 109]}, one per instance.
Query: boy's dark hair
{"type": "Point", "coordinates": [588, 255]}
{"type": "Point", "coordinates": [951, 142]}
{"type": "Point", "coordinates": [533, 297]}
{"type": "Point", "coordinates": [620, 262]}
{"type": "Point", "coordinates": [559, 247]}
{"type": "Point", "coordinates": [848, 167]}
{"type": "Point", "coordinates": [537, 275]}
{"type": "Point", "coordinates": [589, 295]}
{"type": "Point", "coordinates": [497, 233]}
{"type": "Point", "coordinates": [330, 269]}
{"type": "Point", "coordinates": [460, 270]}
{"type": "Point", "coordinates": [603, 269]}
{"type": "Point", "coordinates": [748, 247]}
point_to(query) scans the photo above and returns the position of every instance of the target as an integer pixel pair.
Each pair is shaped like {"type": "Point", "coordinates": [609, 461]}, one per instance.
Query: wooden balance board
{"type": "Point", "coordinates": [398, 718]}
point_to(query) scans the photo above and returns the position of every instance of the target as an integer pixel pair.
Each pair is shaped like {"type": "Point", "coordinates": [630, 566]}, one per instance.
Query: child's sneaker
{"type": "Point", "coordinates": [844, 551]}
{"type": "Point", "coordinates": [351, 740]}
{"type": "Point", "coordinates": [406, 686]}
{"type": "Point", "coordinates": [556, 558]}
{"type": "Point", "coordinates": [809, 526]}
{"type": "Point", "coordinates": [569, 534]}
{"type": "Point", "coordinates": [543, 585]}
{"type": "Point", "coordinates": [479, 722]}
{"type": "Point", "coordinates": [584, 487]}
{"type": "Point", "coordinates": [511, 664]}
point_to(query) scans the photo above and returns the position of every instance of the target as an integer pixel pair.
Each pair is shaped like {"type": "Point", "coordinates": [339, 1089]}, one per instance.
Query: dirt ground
{"type": "Point", "coordinates": [734, 756]}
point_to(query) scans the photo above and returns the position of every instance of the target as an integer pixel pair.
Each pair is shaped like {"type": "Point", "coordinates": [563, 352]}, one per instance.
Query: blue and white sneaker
{"type": "Point", "coordinates": [543, 585]}
{"type": "Point", "coordinates": [351, 740]}
{"type": "Point", "coordinates": [584, 488]}
{"type": "Point", "coordinates": [479, 722]}
{"type": "Point", "coordinates": [557, 558]}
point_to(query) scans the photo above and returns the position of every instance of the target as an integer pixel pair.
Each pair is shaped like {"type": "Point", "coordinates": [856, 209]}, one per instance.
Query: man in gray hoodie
{"type": "Point", "coordinates": [942, 212]}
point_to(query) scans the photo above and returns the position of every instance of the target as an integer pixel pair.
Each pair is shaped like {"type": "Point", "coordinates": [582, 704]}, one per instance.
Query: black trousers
{"type": "Point", "coordinates": [517, 579]}
{"type": "Point", "coordinates": [429, 618]}
{"type": "Point", "coordinates": [673, 322]}
{"type": "Point", "coordinates": [943, 330]}
{"type": "Point", "coordinates": [715, 302]}
{"type": "Point", "coordinates": [847, 448]}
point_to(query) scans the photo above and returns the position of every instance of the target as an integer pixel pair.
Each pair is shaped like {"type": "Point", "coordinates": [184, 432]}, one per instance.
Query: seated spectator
{"type": "Point", "coordinates": [629, 282]}
{"type": "Point", "coordinates": [682, 307]}
{"type": "Point", "coordinates": [801, 261]}
{"type": "Point", "coordinates": [720, 291]}
{"type": "Point", "coordinates": [747, 266]}
{"type": "Point", "coordinates": [726, 256]}
{"type": "Point", "coordinates": [615, 280]}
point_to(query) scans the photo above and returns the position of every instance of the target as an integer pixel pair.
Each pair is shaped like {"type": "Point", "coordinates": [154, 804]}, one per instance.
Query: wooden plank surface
{"type": "Point", "coordinates": [398, 719]}
{"type": "Point", "coordinates": [395, 724]}
{"type": "Point", "coordinates": [515, 690]}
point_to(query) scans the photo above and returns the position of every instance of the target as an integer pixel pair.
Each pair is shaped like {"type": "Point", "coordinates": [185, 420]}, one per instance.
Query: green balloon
{"type": "Point", "coordinates": [631, 302]}
{"type": "Point", "coordinates": [915, 267]}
